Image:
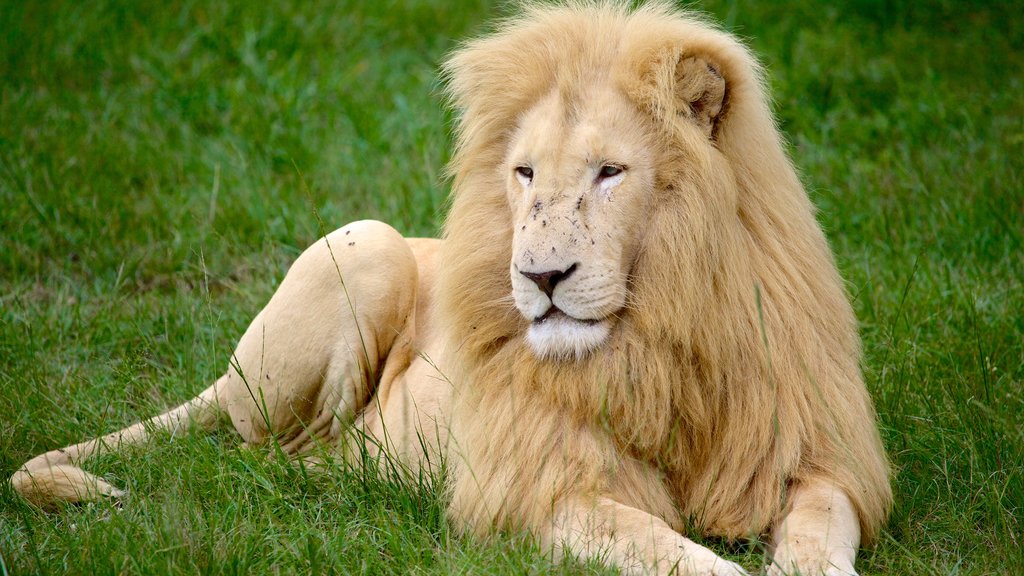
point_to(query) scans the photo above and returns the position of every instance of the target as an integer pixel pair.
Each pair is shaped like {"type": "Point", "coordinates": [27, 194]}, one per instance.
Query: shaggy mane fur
{"type": "Point", "coordinates": [732, 374]}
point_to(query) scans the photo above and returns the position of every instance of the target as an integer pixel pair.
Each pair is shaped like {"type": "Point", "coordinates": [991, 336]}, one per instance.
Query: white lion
{"type": "Point", "coordinates": [633, 319]}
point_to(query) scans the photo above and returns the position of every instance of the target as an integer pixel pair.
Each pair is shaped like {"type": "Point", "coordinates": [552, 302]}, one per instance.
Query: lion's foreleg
{"type": "Point", "coordinates": [818, 534]}
{"type": "Point", "coordinates": [635, 541]}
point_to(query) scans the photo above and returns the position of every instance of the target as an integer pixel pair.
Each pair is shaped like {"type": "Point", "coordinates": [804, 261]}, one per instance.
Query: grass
{"type": "Point", "coordinates": [152, 166]}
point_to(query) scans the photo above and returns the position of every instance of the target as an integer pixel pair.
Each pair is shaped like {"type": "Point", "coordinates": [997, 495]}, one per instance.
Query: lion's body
{"type": "Point", "coordinates": [703, 364]}
{"type": "Point", "coordinates": [737, 385]}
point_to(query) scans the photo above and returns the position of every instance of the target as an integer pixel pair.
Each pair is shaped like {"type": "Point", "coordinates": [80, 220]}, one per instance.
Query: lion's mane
{"type": "Point", "coordinates": [732, 374]}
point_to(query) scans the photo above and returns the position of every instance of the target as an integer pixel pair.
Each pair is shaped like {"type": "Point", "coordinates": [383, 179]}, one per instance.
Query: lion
{"type": "Point", "coordinates": [632, 327]}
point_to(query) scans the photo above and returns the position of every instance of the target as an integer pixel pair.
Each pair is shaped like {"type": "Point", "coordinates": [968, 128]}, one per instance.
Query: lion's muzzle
{"type": "Point", "coordinates": [547, 281]}
{"type": "Point", "coordinates": [567, 321]}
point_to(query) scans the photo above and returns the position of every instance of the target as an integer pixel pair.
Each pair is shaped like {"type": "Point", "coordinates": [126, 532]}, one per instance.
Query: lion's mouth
{"type": "Point", "coordinates": [555, 313]}
{"type": "Point", "coordinates": [556, 335]}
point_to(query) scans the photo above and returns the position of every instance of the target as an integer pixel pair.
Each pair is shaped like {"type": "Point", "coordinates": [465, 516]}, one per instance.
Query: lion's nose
{"type": "Point", "coordinates": [547, 281]}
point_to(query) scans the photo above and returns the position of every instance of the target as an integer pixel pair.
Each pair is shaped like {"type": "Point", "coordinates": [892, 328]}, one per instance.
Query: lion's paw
{"type": "Point", "coordinates": [808, 565]}
{"type": "Point", "coordinates": [726, 568]}
{"type": "Point", "coordinates": [706, 563]}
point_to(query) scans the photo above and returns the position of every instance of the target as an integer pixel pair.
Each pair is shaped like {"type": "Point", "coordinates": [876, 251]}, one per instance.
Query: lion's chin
{"type": "Point", "coordinates": [562, 337]}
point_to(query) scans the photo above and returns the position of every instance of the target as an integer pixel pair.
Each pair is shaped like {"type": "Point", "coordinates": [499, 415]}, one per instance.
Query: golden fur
{"type": "Point", "coordinates": [734, 372]}
{"type": "Point", "coordinates": [723, 389]}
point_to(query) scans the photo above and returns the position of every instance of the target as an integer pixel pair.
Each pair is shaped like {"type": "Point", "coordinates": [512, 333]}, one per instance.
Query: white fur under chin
{"type": "Point", "coordinates": [563, 338]}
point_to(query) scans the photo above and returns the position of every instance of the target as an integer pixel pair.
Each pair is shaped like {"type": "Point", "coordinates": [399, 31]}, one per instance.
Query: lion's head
{"type": "Point", "coordinates": [629, 251]}
{"type": "Point", "coordinates": [583, 156]}
{"type": "Point", "coordinates": [581, 179]}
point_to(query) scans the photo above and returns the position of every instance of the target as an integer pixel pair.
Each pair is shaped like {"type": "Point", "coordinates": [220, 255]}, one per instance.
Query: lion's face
{"type": "Point", "coordinates": [579, 181]}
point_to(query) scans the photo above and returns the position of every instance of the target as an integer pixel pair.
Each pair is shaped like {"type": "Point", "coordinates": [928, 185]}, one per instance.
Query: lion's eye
{"type": "Point", "coordinates": [525, 172]}
{"type": "Point", "coordinates": [609, 171]}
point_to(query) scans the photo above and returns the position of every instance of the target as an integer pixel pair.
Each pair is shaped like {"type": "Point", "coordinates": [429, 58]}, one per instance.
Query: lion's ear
{"type": "Point", "coordinates": [673, 85]}
{"type": "Point", "coordinates": [700, 92]}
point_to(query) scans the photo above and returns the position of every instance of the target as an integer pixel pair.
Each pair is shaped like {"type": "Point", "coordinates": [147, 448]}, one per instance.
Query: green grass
{"type": "Point", "coordinates": [161, 164]}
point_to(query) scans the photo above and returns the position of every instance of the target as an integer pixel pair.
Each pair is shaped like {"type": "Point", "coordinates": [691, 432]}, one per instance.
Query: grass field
{"type": "Point", "coordinates": [162, 163]}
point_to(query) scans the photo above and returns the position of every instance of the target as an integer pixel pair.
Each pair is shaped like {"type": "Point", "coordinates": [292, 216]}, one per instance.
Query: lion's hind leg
{"type": "Point", "coordinates": [307, 363]}
{"type": "Point", "coordinates": [55, 477]}
{"type": "Point", "coordinates": [311, 360]}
